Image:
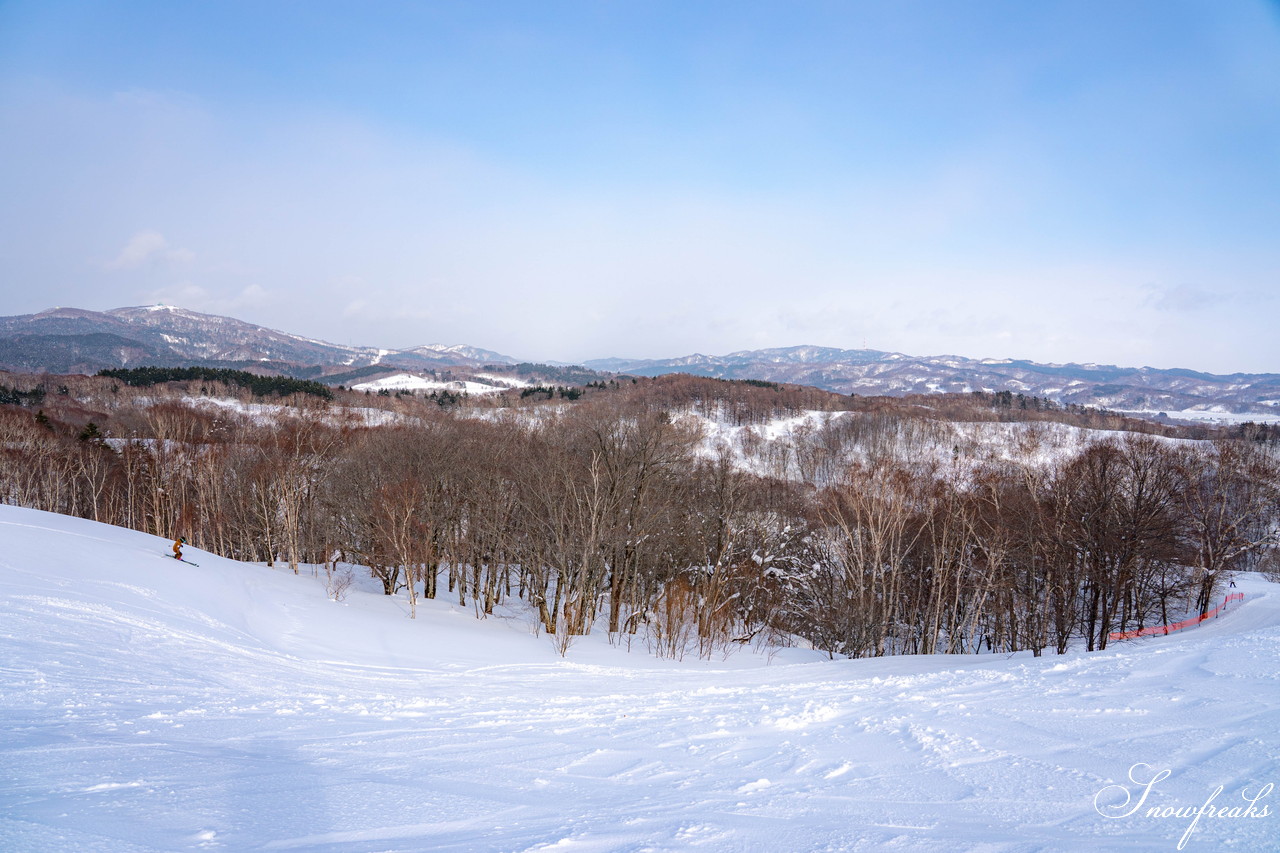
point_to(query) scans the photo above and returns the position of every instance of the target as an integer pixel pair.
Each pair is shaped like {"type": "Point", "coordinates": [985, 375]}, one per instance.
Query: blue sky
{"type": "Point", "coordinates": [1058, 181]}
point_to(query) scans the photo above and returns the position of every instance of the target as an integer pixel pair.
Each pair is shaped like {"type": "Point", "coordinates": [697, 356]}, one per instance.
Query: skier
{"type": "Point", "coordinates": [177, 547]}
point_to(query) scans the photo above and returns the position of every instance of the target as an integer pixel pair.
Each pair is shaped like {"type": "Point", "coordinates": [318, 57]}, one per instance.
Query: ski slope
{"type": "Point", "coordinates": [148, 705]}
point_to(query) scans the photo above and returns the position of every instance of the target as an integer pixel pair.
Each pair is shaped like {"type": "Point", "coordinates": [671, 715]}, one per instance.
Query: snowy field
{"type": "Point", "coordinates": [149, 705]}
{"type": "Point", "coordinates": [416, 382]}
{"type": "Point", "coordinates": [1213, 417]}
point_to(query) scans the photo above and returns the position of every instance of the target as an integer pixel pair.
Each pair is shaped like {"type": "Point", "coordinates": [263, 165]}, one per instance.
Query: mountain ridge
{"type": "Point", "coordinates": [74, 340]}
{"type": "Point", "coordinates": [876, 372]}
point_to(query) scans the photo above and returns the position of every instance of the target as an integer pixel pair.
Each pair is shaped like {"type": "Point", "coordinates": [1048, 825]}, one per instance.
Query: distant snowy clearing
{"type": "Point", "coordinates": [414, 382]}
{"type": "Point", "coordinates": [266, 413]}
{"type": "Point", "coordinates": [150, 705]}
{"type": "Point", "coordinates": [1212, 417]}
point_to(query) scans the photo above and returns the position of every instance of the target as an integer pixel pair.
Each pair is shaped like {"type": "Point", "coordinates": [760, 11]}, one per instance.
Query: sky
{"type": "Point", "coordinates": [1059, 181]}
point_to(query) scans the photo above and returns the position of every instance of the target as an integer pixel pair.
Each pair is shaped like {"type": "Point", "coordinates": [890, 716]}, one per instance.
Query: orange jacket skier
{"type": "Point", "coordinates": [177, 547]}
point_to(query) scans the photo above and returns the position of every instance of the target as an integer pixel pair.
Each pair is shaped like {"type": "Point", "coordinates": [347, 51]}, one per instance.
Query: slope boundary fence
{"type": "Point", "coordinates": [1178, 626]}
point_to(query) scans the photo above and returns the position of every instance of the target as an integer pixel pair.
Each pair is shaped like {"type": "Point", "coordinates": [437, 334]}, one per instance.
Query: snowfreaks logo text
{"type": "Point", "coordinates": [1145, 777]}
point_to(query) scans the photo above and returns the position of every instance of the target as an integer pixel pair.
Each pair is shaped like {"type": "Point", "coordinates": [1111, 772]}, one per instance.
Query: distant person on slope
{"type": "Point", "coordinates": [177, 547]}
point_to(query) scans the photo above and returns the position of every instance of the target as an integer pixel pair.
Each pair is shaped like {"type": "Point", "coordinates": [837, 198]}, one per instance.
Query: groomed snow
{"type": "Point", "coordinates": [150, 705]}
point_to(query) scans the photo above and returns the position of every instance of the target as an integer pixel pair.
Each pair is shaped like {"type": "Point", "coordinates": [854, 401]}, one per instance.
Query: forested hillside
{"type": "Point", "coordinates": [697, 513]}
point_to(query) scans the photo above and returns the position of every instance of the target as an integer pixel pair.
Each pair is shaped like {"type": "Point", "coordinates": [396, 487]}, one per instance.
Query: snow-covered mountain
{"type": "Point", "coordinates": [149, 705]}
{"type": "Point", "coordinates": [874, 372]}
{"type": "Point", "coordinates": [71, 340]}
{"type": "Point", "coordinates": [463, 352]}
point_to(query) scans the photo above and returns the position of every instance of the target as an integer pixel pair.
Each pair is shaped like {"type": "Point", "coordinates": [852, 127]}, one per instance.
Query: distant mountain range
{"type": "Point", "coordinates": [864, 371]}
{"type": "Point", "coordinates": [71, 340]}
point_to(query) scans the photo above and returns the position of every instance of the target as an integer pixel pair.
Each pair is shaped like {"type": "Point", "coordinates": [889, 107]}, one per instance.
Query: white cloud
{"type": "Point", "coordinates": [252, 295]}
{"type": "Point", "coordinates": [147, 247]}
{"type": "Point", "coordinates": [192, 296]}
{"type": "Point", "coordinates": [1184, 297]}
{"type": "Point", "coordinates": [141, 248]}
{"type": "Point", "coordinates": [181, 295]}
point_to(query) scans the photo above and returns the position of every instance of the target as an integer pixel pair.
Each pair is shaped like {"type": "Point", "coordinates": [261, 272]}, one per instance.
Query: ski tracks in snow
{"type": "Point", "coordinates": [164, 712]}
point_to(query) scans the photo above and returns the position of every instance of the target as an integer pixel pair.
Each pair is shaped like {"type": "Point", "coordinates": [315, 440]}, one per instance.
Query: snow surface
{"type": "Point", "coordinates": [1214, 416]}
{"type": "Point", "coordinates": [150, 705]}
{"type": "Point", "coordinates": [954, 446]}
{"type": "Point", "coordinates": [272, 413]}
{"type": "Point", "coordinates": [414, 382]}
{"type": "Point", "coordinates": [504, 381]}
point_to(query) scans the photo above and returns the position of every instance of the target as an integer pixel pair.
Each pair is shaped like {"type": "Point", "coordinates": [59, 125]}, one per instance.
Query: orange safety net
{"type": "Point", "coordinates": [1177, 626]}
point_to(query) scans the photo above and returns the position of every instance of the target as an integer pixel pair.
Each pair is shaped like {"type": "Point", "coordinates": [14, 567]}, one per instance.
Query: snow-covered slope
{"type": "Point", "coordinates": [150, 705]}
{"type": "Point", "coordinates": [795, 447]}
{"type": "Point", "coordinates": [418, 382]}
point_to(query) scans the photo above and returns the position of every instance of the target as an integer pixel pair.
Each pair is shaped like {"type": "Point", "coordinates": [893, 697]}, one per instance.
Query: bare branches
{"type": "Point", "coordinates": [861, 527]}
